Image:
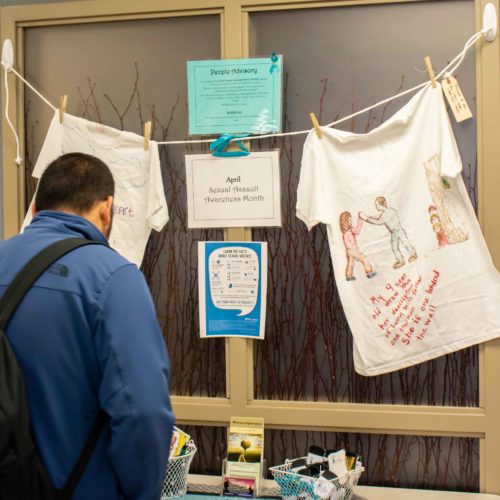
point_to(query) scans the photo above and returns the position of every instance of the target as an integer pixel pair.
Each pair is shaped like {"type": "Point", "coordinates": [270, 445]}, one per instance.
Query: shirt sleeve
{"type": "Point", "coordinates": [52, 147]}
{"type": "Point", "coordinates": [312, 204]}
{"type": "Point", "coordinates": [451, 163]}
{"type": "Point", "coordinates": [379, 221]}
{"type": "Point", "coordinates": [157, 213]}
{"type": "Point", "coordinates": [134, 389]}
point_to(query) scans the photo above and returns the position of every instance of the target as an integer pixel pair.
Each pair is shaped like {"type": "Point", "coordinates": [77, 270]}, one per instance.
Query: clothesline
{"type": "Point", "coordinates": [451, 67]}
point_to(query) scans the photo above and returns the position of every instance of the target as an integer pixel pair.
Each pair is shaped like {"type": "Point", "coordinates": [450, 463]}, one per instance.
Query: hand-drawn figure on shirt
{"type": "Point", "coordinates": [437, 227]}
{"type": "Point", "coordinates": [446, 204]}
{"type": "Point", "coordinates": [390, 219]}
{"type": "Point", "coordinates": [353, 253]}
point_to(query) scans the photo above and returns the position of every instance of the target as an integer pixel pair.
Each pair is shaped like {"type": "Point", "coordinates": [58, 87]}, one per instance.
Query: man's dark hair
{"type": "Point", "coordinates": [74, 181]}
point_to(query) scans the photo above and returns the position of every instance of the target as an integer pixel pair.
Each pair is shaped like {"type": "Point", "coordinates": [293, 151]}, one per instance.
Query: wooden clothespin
{"type": "Point", "coordinates": [147, 135]}
{"type": "Point", "coordinates": [63, 101]}
{"type": "Point", "coordinates": [432, 76]}
{"type": "Point", "coordinates": [316, 125]}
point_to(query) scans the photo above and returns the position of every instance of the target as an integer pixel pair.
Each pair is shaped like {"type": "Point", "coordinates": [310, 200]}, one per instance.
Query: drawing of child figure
{"type": "Point", "coordinates": [353, 253]}
{"type": "Point", "coordinates": [440, 234]}
{"type": "Point", "coordinates": [437, 227]}
{"type": "Point", "coordinates": [433, 211]}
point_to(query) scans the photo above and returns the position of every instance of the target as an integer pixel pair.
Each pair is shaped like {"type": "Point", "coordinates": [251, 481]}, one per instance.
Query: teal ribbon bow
{"type": "Point", "coordinates": [219, 146]}
{"type": "Point", "coordinates": [274, 63]}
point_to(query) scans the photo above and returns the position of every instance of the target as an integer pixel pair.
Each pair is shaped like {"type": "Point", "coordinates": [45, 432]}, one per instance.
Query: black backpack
{"type": "Point", "coordinates": [22, 475]}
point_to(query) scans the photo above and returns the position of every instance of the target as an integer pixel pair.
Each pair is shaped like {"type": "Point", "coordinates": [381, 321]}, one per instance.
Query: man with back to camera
{"type": "Point", "coordinates": [87, 339]}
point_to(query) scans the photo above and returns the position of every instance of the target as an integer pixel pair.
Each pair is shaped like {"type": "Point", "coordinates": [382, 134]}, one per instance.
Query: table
{"type": "Point", "coordinates": [212, 485]}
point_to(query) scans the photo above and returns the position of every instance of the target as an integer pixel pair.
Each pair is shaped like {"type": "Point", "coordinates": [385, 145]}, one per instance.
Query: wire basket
{"type": "Point", "coordinates": [293, 485]}
{"type": "Point", "coordinates": [175, 484]}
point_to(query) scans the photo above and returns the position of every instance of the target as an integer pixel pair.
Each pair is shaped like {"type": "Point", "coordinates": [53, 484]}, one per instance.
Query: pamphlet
{"type": "Point", "coordinates": [245, 440]}
{"type": "Point", "coordinates": [178, 441]}
{"type": "Point", "coordinates": [243, 468]}
{"type": "Point", "coordinates": [239, 487]}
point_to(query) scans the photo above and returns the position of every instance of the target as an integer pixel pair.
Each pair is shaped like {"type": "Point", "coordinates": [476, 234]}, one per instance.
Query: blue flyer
{"type": "Point", "coordinates": [232, 284]}
{"type": "Point", "coordinates": [235, 96]}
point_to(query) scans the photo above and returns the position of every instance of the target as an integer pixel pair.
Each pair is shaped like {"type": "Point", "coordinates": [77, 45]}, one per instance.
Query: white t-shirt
{"type": "Point", "coordinates": [139, 202]}
{"type": "Point", "coordinates": [412, 268]}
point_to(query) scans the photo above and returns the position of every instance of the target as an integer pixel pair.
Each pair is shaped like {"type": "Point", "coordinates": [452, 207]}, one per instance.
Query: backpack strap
{"type": "Point", "coordinates": [32, 271]}
{"type": "Point", "coordinates": [8, 305]}
{"type": "Point", "coordinates": [76, 474]}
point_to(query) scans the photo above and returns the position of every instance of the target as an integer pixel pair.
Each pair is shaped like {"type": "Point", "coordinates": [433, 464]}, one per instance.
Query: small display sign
{"type": "Point", "coordinates": [235, 96]}
{"type": "Point", "coordinates": [233, 192]}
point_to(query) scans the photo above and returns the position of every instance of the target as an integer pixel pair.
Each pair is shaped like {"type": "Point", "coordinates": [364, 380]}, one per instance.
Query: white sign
{"type": "Point", "coordinates": [233, 192]}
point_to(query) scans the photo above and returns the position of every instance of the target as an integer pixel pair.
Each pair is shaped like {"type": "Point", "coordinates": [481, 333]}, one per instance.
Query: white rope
{"type": "Point", "coordinates": [33, 89]}
{"type": "Point", "coordinates": [7, 99]}
{"type": "Point", "coordinates": [460, 57]}
{"type": "Point", "coordinates": [448, 69]}
{"type": "Point", "coordinates": [451, 67]}
{"type": "Point", "coordinates": [470, 42]}
{"type": "Point", "coordinates": [7, 69]}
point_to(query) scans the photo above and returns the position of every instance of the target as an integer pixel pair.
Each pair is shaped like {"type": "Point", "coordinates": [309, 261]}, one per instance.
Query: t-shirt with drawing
{"type": "Point", "coordinates": [139, 201]}
{"type": "Point", "coordinates": [413, 271]}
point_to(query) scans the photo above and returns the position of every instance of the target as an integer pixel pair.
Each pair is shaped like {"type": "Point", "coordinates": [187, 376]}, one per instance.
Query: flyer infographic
{"type": "Point", "coordinates": [232, 282]}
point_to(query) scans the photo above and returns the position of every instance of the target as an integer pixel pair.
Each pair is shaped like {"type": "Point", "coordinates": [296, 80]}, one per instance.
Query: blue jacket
{"type": "Point", "coordinates": [86, 337]}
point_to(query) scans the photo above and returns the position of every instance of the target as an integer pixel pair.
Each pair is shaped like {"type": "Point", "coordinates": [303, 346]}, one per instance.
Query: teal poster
{"type": "Point", "coordinates": [235, 96]}
{"type": "Point", "coordinates": [232, 283]}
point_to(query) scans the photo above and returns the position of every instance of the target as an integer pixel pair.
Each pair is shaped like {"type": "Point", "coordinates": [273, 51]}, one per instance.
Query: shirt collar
{"type": "Point", "coordinates": [67, 223]}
